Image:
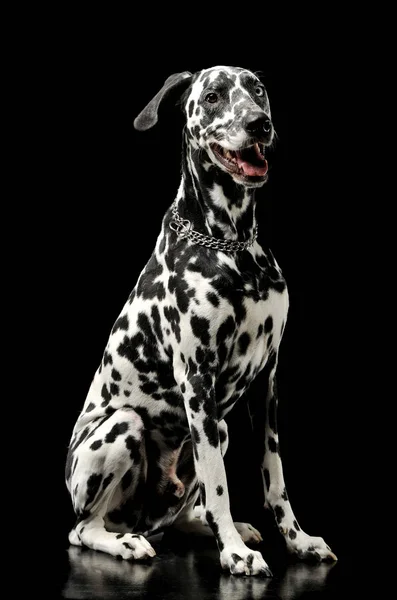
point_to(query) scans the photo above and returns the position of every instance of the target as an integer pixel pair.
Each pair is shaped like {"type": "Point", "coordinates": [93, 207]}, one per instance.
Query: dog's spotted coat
{"type": "Point", "coordinates": [197, 328]}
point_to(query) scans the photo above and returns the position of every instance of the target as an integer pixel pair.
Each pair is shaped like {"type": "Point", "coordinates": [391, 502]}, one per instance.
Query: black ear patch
{"type": "Point", "coordinates": [148, 117]}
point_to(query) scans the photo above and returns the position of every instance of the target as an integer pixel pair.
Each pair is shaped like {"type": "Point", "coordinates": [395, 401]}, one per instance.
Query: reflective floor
{"type": "Point", "coordinates": [189, 569]}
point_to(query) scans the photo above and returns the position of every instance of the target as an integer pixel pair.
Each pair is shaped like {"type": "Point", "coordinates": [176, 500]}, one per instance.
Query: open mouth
{"type": "Point", "coordinates": [247, 162]}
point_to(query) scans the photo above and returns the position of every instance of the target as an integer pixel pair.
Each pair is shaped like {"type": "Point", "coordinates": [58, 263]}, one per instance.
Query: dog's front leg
{"type": "Point", "coordinates": [264, 420]}
{"type": "Point", "coordinates": [199, 399]}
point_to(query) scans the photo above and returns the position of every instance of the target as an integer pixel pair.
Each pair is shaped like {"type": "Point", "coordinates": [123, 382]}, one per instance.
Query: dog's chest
{"type": "Point", "coordinates": [258, 334]}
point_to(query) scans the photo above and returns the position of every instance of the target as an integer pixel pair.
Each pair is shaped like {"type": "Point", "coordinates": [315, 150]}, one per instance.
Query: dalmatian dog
{"type": "Point", "coordinates": [205, 316]}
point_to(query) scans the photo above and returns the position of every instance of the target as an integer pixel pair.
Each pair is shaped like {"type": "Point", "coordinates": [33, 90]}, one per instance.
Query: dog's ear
{"type": "Point", "coordinates": [149, 115]}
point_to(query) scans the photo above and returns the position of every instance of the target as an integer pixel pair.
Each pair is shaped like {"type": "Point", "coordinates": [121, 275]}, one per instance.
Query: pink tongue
{"type": "Point", "coordinates": [252, 170]}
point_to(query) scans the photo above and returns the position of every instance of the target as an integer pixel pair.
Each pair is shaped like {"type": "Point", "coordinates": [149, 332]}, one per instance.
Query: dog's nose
{"type": "Point", "coordinates": [258, 124]}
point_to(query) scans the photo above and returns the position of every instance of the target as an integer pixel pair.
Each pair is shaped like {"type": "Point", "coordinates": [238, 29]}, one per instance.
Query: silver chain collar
{"type": "Point", "coordinates": [183, 229]}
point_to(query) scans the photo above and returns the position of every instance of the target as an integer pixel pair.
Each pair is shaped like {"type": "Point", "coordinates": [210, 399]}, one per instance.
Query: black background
{"type": "Point", "coordinates": [109, 186]}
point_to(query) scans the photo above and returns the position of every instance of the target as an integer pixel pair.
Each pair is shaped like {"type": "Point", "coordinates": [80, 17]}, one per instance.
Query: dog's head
{"type": "Point", "coordinates": [227, 115]}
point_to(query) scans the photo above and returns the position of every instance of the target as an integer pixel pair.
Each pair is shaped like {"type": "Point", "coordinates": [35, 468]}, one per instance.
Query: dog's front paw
{"type": "Point", "coordinates": [132, 547]}
{"type": "Point", "coordinates": [308, 548]}
{"type": "Point", "coordinates": [243, 561]}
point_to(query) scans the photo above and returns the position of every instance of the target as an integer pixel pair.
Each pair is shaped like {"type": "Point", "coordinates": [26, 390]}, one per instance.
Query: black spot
{"type": "Point", "coordinates": [119, 536]}
{"type": "Point", "coordinates": [268, 324]}
{"type": "Point", "coordinates": [107, 359]}
{"type": "Point", "coordinates": [243, 342]}
{"type": "Point", "coordinates": [266, 475]}
{"type": "Point", "coordinates": [172, 315]}
{"type": "Point", "coordinates": [210, 427]}
{"type": "Point", "coordinates": [172, 398]}
{"type": "Point", "coordinates": [134, 447]}
{"type": "Point", "coordinates": [295, 524]}
{"type": "Point", "coordinates": [213, 298]}
{"type": "Point", "coordinates": [114, 389]}
{"type": "Point", "coordinates": [292, 534]}
{"type": "Point", "coordinates": [250, 560]}
{"type": "Point", "coordinates": [148, 287]}
{"type": "Point", "coordinates": [149, 387]}
{"type": "Point", "coordinates": [105, 395]}
{"type": "Point", "coordinates": [93, 483]}
{"type": "Point", "coordinates": [273, 445]}
{"type": "Point", "coordinates": [157, 323]}
{"type": "Point", "coordinates": [200, 327]}
{"type": "Point", "coordinates": [107, 480]}
{"type": "Point", "coordinates": [260, 331]}
{"type": "Point", "coordinates": [284, 495]}
{"type": "Point", "coordinates": [90, 407]}
{"type": "Point", "coordinates": [183, 387]}
{"type": "Point", "coordinates": [200, 356]}
{"type": "Point", "coordinates": [191, 106]}
{"type": "Point", "coordinates": [195, 403]}
{"type": "Point", "coordinates": [219, 490]}
{"type": "Point", "coordinates": [192, 367]}
{"type": "Point", "coordinates": [225, 330]}
{"type": "Point", "coordinates": [179, 287]}
{"type": "Point", "coordinates": [195, 434]}
{"type": "Point", "coordinates": [116, 375]}
{"type": "Point", "coordinates": [236, 558]}
{"type": "Point", "coordinates": [128, 348]}
{"type": "Point", "coordinates": [121, 323]}
{"type": "Point", "coordinates": [96, 445]}
{"type": "Point", "coordinates": [117, 429]}
{"type": "Point", "coordinates": [269, 340]}
{"type": "Point", "coordinates": [214, 526]}
{"type": "Point", "coordinates": [279, 513]}
{"type": "Point", "coordinates": [128, 546]}
{"type": "Point", "coordinates": [127, 393]}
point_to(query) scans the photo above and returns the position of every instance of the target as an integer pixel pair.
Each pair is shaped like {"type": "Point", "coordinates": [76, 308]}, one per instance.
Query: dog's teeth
{"type": "Point", "coordinates": [229, 155]}
{"type": "Point", "coordinates": [260, 149]}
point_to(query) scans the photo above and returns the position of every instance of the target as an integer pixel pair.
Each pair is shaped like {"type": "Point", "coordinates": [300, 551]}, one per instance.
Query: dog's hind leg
{"type": "Point", "coordinates": [109, 455]}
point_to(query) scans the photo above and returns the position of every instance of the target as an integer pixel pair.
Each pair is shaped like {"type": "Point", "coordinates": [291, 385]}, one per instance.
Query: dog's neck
{"type": "Point", "coordinates": [211, 200]}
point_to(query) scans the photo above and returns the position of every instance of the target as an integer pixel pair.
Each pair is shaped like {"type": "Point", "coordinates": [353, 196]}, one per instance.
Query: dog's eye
{"type": "Point", "coordinates": [259, 91]}
{"type": "Point", "coordinates": [211, 98]}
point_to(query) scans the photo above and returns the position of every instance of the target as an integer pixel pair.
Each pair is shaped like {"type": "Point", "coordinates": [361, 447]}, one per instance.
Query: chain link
{"type": "Point", "coordinates": [183, 229]}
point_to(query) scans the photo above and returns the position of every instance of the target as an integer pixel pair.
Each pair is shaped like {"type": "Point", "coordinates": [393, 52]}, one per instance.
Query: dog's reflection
{"type": "Point", "coordinates": [98, 575]}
